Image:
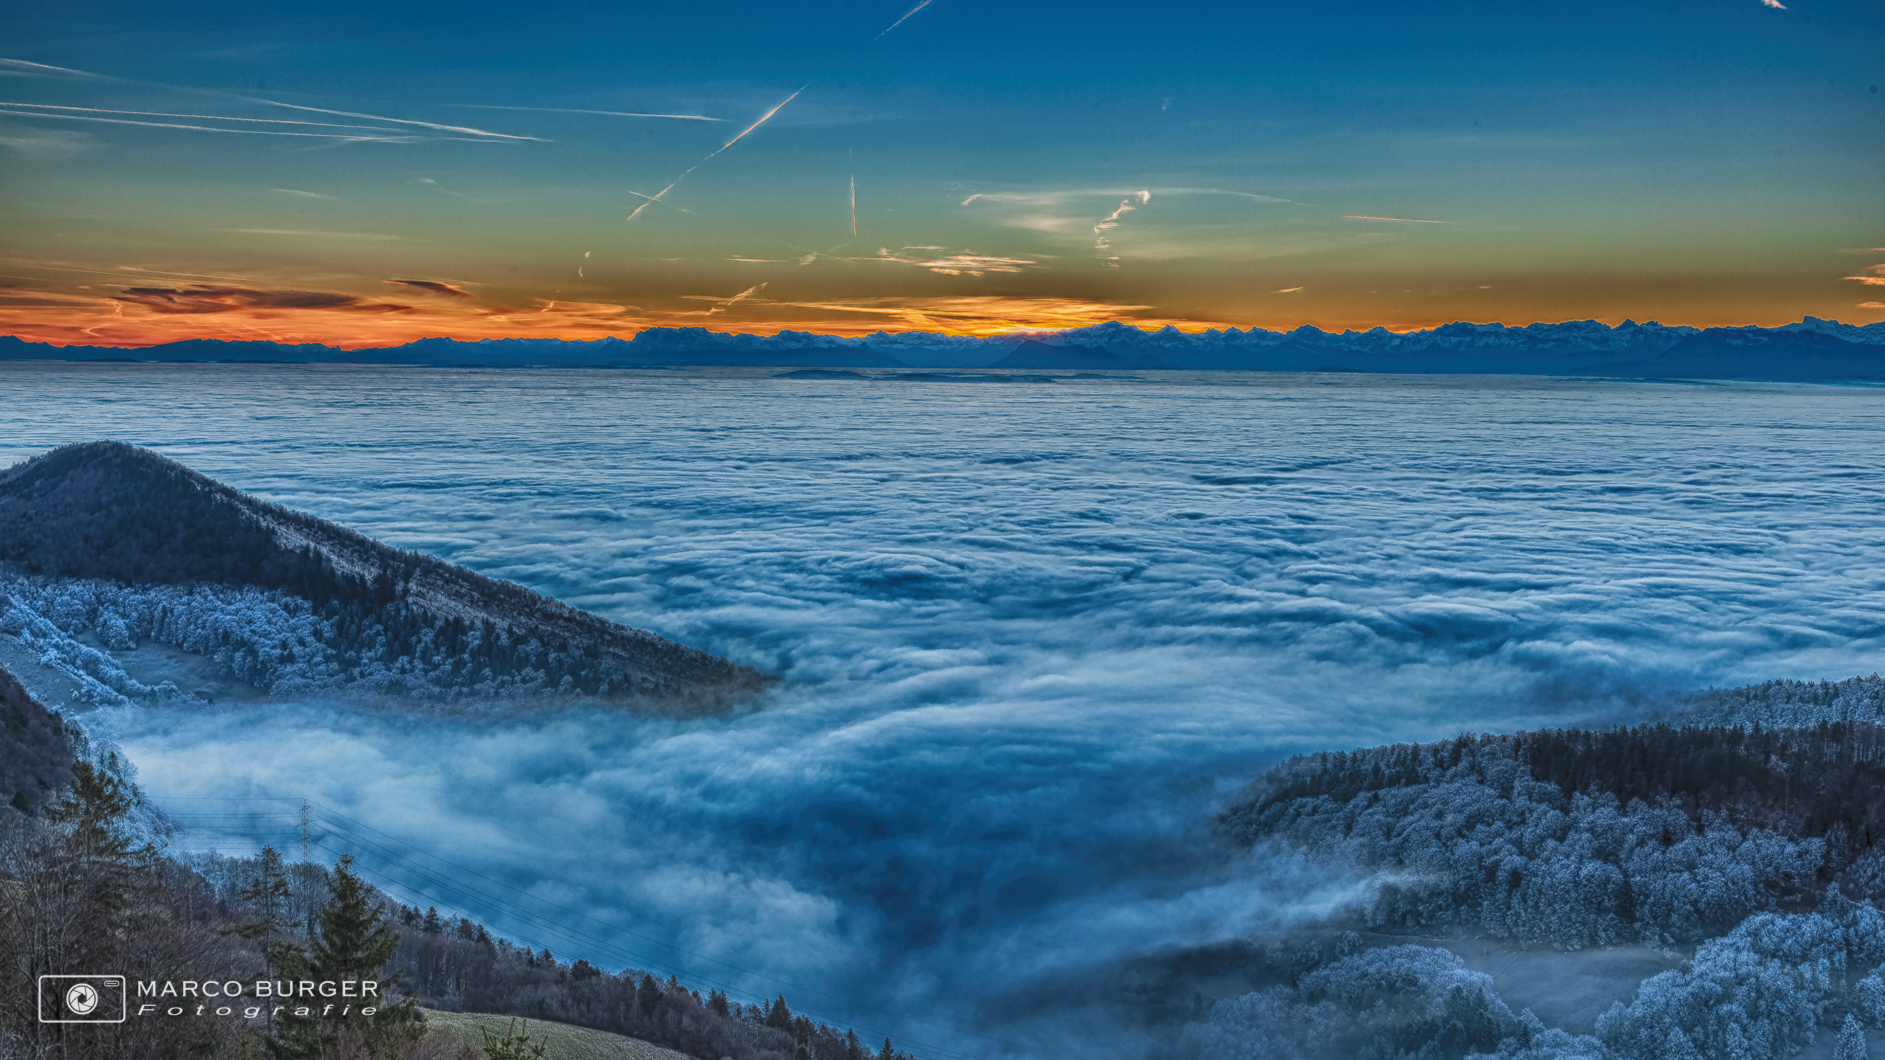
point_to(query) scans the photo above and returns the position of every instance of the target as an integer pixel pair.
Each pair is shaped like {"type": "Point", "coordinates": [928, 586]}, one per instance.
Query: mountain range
{"type": "Point", "coordinates": [1810, 349]}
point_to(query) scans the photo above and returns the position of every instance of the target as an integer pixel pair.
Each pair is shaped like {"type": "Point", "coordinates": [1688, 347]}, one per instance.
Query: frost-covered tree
{"type": "Point", "coordinates": [1851, 1043]}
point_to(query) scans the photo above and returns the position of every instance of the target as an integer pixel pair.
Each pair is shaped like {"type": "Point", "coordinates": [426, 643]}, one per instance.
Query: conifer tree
{"type": "Point", "coordinates": [269, 890]}
{"type": "Point", "coordinates": [349, 940]}
{"type": "Point", "coordinates": [1851, 1043]}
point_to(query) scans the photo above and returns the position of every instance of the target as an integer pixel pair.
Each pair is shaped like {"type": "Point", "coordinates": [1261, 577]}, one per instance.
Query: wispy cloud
{"type": "Point", "coordinates": [310, 234]}
{"type": "Point", "coordinates": [1775, 4]}
{"type": "Point", "coordinates": [230, 299]}
{"type": "Point", "coordinates": [305, 194]}
{"type": "Point", "coordinates": [901, 21]}
{"type": "Point", "coordinates": [1101, 242]}
{"type": "Point", "coordinates": [435, 287]}
{"type": "Point", "coordinates": [1871, 305]}
{"type": "Point", "coordinates": [964, 263]}
{"type": "Point", "coordinates": [1404, 220]}
{"type": "Point", "coordinates": [987, 314]}
{"type": "Point", "coordinates": [51, 145]}
{"type": "Point", "coordinates": [1286, 290]}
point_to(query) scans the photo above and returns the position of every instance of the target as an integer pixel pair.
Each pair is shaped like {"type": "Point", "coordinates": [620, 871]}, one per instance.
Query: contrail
{"type": "Point", "coordinates": [901, 21]}
{"type": "Point", "coordinates": [854, 206]}
{"type": "Point", "coordinates": [399, 121]}
{"type": "Point", "coordinates": [763, 119]}
{"type": "Point", "coordinates": [748, 293]}
{"type": "Point", "coordinates": [204, 117]}
{"type": "Point", "coordinates": [1404, 220]}
{"type": "Point", "coordinates": [18, 63]}
{"type": "Point", "coordinates": [576, 110]}
{"type": "Point", "coordinates": [395, 137]}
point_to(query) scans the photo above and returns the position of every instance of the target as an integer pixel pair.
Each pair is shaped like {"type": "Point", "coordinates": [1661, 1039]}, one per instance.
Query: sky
{"type": "Point", "coordinates": [367, 174]}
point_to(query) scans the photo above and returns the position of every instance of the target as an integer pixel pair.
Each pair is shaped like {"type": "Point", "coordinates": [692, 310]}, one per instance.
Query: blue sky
{"type": "Point", "coordinates": [1021, 166]}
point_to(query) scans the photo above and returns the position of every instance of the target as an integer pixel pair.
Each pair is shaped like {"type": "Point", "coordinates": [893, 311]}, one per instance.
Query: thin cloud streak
{"type": "Point", "coordinates": [579, 110]}
{"type": "Point", "coordinates": [1405, 220]}
{"type": "Point", "coordinates": [435, 287]}
{"type": "Point", "coordinates": [763, 119]}
{"type": "Point", "coordinates": [468, 130]}
{"type": "Point", "coordinates": [965, 263]}
{"type": "Point", "coordinates": [348, 137]}
{"type": "Point", "coordinates": [41, 68]}
{"type": "Point", "coordinates": [901, 21]}
{"type": "Point", "coordinates": [307, 232]}
{"type": "Point", "coordinates": [200, 117]}
{"type": "Point", "coordinates": [731, 302]}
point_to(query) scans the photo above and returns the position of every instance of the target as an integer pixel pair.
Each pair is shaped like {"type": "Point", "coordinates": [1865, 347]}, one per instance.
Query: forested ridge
{"type": "Point", "coordinates": [1580, 838]}
{"type": "Point", "coordinates": [111, 513]}
{"type": "Point", "coordinates": [35, 748]}
{"type": "Point", "coordinates": [1763, 848]}
{"type": "Point", "coordinates": [87, 884]}
{"type": "Point", "coordinates": [1804, 780]}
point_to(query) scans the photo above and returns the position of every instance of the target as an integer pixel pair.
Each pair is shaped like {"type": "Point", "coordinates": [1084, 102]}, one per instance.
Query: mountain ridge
{"type": "Point", "coordinates": [113, 511]}
{"type": "Point", "coordinates": [1811, 348]}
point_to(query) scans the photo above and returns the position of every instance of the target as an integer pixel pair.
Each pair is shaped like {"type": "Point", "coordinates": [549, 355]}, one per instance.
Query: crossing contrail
{"type": "Point", "coordinates": [854, 205]}
{"type": "Point", "coordinates": [763, 119]}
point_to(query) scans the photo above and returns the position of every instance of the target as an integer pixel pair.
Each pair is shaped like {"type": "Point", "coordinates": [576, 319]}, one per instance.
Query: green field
{"type": "Point", "coordinates": [449, 1029]}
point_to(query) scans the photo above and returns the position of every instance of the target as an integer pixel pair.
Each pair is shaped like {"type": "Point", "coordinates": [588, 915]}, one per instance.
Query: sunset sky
{"type": "Point", "coordinates": [366, 174]}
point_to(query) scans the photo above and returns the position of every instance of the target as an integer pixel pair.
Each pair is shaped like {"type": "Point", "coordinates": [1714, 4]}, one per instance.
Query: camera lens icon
{"type": "Point", "coordinates": [82, 999]}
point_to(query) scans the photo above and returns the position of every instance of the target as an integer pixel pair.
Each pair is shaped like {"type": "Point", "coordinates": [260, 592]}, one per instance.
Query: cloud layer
{"type": "Point", "coordinates": [1031, 636]}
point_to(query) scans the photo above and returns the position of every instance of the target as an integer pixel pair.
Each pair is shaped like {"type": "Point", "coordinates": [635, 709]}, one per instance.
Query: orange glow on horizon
{"type": "Point", "coordinates": [152, 316]}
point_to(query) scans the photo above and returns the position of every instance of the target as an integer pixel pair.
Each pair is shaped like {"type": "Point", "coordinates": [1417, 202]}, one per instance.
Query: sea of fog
{"type": "Point", "coordinates": [1031, 635]}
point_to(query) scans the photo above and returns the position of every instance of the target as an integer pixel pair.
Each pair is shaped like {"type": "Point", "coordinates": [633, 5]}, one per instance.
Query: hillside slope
{"type": "Point", "coordinates": [35, 751]}
{"type": "Point", "coordinates": [117, 513]}
{"type": "Point", "coordinates": [566, 1042]}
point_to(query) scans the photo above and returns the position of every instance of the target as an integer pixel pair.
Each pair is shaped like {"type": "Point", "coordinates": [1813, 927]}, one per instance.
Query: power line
{"type": "Point", "coordinates": [333, 818]}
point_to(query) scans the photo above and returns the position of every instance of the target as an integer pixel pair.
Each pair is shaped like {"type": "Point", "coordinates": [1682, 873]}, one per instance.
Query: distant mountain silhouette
{"type": "Point", "coordinates": [111, 510]}
{"type": "Point", "coordinates": [1732, 353]}
{"type": "Point", "coordinates": [1808, 349]}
